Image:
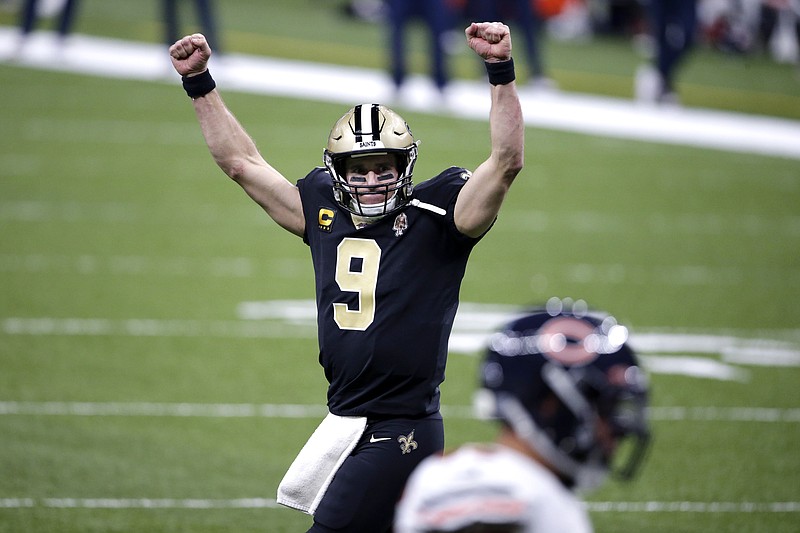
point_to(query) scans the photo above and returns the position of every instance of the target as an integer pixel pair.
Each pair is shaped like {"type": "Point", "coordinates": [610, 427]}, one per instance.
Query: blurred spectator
{"type": "Point", "coordinates": [524, 14]}
{"type": "Point", "coordinates": [747, 26]}
{"type": "Point", "coordinates": [438, 18]}
{"type": "Point", "coordinates": [672, 25]}
{"type": "Point", "coordinates": [368, 10]}
{"type": "Point", "coordinates": [729, 26]}
{"type": "Point", "coordinates": [617, 17]}
{"type": "Point", "coordinates": [205, 15]}
{"type": "Point", "coordinates": [33, 9]}
{"type": "Point", "coordinates": [779, 29]}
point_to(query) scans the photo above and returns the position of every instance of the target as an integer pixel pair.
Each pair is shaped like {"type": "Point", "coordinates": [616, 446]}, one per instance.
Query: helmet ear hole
{"type": "Point", "coordinates": [340, 166]}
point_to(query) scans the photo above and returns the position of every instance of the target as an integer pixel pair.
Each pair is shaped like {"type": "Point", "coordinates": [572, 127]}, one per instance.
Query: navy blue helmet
{"type": "Point", "coordinates": [565, 380]}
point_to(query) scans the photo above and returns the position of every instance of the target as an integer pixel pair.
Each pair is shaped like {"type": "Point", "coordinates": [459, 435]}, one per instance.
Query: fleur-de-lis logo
{"type": "Point", "coordinates": [407, 443]}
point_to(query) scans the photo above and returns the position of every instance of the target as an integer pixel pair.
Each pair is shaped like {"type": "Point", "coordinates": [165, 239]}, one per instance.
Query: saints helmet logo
{"type": "Point", "coordinates": [407, 443]}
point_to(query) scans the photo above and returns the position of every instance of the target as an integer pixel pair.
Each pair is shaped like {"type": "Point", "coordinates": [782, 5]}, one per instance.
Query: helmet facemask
{"type": "Point", "coordinates": [368, 130]}
{"type": "Point", "coordinates": [614, 399]}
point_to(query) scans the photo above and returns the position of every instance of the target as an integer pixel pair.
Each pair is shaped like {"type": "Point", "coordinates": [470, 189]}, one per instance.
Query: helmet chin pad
{"type": "Point", "coordinates": [374, 210]}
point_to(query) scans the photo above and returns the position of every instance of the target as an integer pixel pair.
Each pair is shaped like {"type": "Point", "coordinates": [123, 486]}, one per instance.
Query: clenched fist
{"type": "Point", "coordinates": [190, 55]}
{"type": "Point", "coordinates": [490, 40]}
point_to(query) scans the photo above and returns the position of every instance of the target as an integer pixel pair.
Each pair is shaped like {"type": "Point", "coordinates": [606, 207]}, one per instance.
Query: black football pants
{"type": "Point", "coordinates": [365, 490]}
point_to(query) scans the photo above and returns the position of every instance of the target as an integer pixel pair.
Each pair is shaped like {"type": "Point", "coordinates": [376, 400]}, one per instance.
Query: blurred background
{"type": "Point", "coordinates": [744, 55]}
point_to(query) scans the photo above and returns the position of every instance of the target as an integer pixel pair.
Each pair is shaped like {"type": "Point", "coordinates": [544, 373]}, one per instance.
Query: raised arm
{"type": "Point", "coordinates": [230, 145]}
{"type": "Point", "coordinates": [479, 201]}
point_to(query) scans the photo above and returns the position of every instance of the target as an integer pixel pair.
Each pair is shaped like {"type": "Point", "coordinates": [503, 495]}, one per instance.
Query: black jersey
{"type": "Point", "coordinates": [386, 295]}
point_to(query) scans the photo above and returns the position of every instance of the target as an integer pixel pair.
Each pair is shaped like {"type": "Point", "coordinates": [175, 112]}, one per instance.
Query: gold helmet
{"type": "Point", "coordinates": [371, 129]}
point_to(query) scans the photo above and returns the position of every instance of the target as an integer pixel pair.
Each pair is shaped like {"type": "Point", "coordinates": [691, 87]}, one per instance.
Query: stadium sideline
{"type": "Point", "coordinates": [556, 110]}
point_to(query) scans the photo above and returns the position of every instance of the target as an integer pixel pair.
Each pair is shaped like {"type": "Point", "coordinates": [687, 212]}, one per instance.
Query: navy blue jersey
{"type": "Point", "coordinates": [386, 296]}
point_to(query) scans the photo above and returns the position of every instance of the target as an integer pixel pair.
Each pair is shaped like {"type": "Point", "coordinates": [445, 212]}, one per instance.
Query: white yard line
{"type": "Point", "coordinates": [242, 267]}
{"type": "Point", "coordinates": [294, 411]}
{"type": "Point", "coordinates": [269, 503]}
{"type": "Point", "coordinates": [149, 327]}
{"type": "Point", "coordinates": [693, 507]}
{"type": "Point", "coordinates": [137, 503]}
{"type": "Point", "coordinates": [89, 264]}
{"type": "Point", "coordinates": [659, 223]}
{"type": "Point", "coordinates": [146, 409]}
{"type": "Point", "coordinates": [664, 352]}
{"type": "Point", "coordinates": [514, 220]}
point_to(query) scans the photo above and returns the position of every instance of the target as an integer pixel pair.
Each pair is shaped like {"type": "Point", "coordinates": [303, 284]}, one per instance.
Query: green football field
{"type": "Point", "coordinates": [158, 363]}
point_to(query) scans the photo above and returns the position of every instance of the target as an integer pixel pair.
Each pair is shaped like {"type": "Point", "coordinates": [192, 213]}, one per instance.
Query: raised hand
{"type": "Point", "coordinates": [490, 40]}
{"type": "Point", "coordinates": [190, 55]}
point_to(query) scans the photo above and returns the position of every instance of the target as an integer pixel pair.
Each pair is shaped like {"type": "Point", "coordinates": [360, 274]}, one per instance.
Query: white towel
{"type": "Point", "coordinates": [307, 479]}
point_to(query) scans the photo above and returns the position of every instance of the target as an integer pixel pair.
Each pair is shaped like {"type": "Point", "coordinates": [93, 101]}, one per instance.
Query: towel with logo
{"type": "Point", "coordinates": [312, 471]}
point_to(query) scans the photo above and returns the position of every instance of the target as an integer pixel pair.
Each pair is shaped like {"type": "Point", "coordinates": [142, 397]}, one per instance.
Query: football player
{"type": "Point", "coordinates": [571, 400]}
{"type": "Point", "coordinates": [388, 257]}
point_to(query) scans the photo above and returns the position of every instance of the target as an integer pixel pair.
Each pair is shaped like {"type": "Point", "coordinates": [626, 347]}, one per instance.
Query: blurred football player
{"type": "Point", "coordinates": [32, 10]}
{"type": "Point", "coordinates": [389, 257]}
{"type": "Point", "coordinates": [672, 25]}
{"type": "Point", "coordinates": [571, 400]}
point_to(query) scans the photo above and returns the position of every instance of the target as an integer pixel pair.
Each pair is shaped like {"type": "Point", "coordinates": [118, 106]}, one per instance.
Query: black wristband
{"type": "Point", "coordinates": [500, 73]}
{"type": "Point", "coordinates": [200, 85]}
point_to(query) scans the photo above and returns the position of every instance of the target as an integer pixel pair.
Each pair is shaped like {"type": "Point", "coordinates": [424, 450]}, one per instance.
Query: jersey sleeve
{"type": "Point", "coordinates": [313, 188]}
{"type": "Point", "coordinates": [442, 192]}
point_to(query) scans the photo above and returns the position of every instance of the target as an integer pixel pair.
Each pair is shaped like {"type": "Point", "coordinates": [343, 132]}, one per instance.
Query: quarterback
{"type": "Point", "coordinates": [388, 257]}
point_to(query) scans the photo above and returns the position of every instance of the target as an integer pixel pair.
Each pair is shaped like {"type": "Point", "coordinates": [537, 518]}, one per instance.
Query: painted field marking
{"type": "Point", "coordinates": [246, 410]}
{"type": "Point", "coordinates": [269, 503]}
{"type": "Point", "coordinates": [693, 507]}
{"type": "Point", "coordinates": [138, 503]}
{"type": "Point", "coordinates": [87, 264]}
{"type": "Point", "coordinates": [662, 352]}
{"type": "Point", "coordinates": [148, 327]}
